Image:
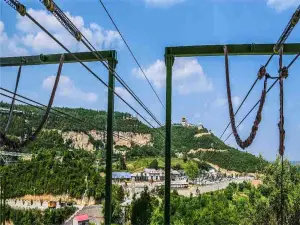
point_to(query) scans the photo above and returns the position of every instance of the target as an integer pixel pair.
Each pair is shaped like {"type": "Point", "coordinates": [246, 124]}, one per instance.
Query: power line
{"type": "Point", "coordinates": [132, 54]}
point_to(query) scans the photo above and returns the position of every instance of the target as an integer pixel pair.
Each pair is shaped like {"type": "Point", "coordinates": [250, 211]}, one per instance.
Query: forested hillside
{"type": "Point", "coordinates": [184, 139]}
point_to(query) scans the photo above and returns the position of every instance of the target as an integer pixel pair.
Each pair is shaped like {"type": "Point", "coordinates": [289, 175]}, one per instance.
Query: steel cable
{"type": "Point", "coordinates": [285, 34]}
{"type": "Point", "coordinates": [86, 67]}
{"type": "Point", "coordinates": [13, 99]}
{"type": "Point", "coordinates": [14, 144]}
{"type": "Point", "coordinates": [131, 52]}
{"type": "Point", "coordinates": [67, 23]}
{"type": "Point", "coordinates": [58, 112]}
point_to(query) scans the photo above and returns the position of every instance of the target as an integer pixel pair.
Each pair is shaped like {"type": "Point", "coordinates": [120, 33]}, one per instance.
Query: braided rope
{"type": "Point", "coordinates": [13, 99]}
{"type": "Point", "coordinates": [251, 137]}
{"type": "Point", "coordinates": [4, 140]}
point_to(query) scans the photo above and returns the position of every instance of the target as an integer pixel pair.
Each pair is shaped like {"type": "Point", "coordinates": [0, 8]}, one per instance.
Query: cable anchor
{"type": "Point", "coordinates": [262, 72]}
{"type": "Point", "coordinates": [295, 18]}
{"type": "Point", "coordinates": [49, 5]}
{"type": "Point", "coordinates": [284, 72]}
{"type": "Point", "coordinates": [21, 9]}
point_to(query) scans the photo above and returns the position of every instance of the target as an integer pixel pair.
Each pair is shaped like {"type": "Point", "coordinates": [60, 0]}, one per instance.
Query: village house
{"type": "Point", "coordinates": [155, 175]}
{"type": "Point", "coordinates": [149, 174]}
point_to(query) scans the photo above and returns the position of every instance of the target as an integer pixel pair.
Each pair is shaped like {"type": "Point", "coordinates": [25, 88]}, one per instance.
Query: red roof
{"type": "Point", "coordinates": [82, 217]}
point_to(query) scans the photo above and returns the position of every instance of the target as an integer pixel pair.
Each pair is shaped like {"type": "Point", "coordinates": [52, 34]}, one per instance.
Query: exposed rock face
{"type": "Point", "coordinates": [124, 138]}
{"type": "Point", "coordinates": [80, 140]}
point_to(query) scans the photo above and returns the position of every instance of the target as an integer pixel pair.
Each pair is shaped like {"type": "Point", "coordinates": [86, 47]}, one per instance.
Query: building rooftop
{"type": "Point", "coordinates": [83, 217]}
{"type": "Point", "coordinates": [119, 175]}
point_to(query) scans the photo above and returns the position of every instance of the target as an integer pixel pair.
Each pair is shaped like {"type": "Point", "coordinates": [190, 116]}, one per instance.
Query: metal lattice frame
{"type": "Point", "coordinates": [202, 50]}
{"type": "Point", "coordinates": [111, 58]}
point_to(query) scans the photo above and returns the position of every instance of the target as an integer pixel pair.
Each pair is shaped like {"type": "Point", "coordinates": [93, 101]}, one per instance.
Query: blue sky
{"type": "Point", "coordinates": [149, 26]}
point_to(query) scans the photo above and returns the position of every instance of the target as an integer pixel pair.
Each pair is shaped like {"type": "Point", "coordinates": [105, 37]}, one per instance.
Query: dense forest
{"type": "Point", "coordinates": [37, 217]}
{"type": "Point", "coordinates": [56, 172]}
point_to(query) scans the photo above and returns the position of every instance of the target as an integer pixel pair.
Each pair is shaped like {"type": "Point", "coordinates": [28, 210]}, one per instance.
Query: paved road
{"type": "Point", "coordinates": [208, 188]}
{"type": "Point", "coordinates": [94, 212]}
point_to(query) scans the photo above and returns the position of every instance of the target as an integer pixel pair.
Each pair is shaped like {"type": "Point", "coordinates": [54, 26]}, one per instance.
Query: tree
{"type": "Point", "coordinates": [154, 164]}
{"type": "Point", "coordinates": [191, 170]}
{"type": "Point", "coordinates": [142, 209]}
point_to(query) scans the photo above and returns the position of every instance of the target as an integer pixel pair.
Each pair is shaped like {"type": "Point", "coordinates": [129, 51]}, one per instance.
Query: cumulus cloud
{"type": "Point", "coordinates": [188, 76]}
{"type": "Point", "coordinates": [36, 39]}
{"type": "Point", "coordinates": [67, 89]}
{"type": "Point", "coordinates": [162, 3]}
{"type": "Point", "coordinates": [30, 38]}
{"type": "Point", "coordinates": [281, 5]}
{"type": "Point", "coordinates": [10, 46]}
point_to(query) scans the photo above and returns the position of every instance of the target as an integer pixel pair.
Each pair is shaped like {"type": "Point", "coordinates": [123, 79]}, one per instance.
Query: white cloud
{"type": "Point", "coordinates": [281, 5]}
{"type": "Point", "coordinates": [188, 75]}
{"type": "Point", "coordinates": [30, 38]}
{"type": "Point", "coordinates": [10, 46]}
{"type": "Point", "coordinates": [36, 39]}
{"type": "Point", "coordinates": [67, 88]}
{"type": "Point", "coordinates": [162, 3]}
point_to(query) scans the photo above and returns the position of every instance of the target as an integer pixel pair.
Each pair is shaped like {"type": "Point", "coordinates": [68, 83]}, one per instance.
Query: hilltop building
{"type": "Point", "coordinates": [184, 122]}
{"type": "Point", "coordinates": [200, 127]}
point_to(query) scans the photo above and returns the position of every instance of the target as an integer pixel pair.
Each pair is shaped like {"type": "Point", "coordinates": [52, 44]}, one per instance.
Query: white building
{"type": "Point", "coordinates": [200, 127]}
{"type": "Point", "coordinates": [149, 174]}
{"type": "Point", "coordinates": [175, 175]}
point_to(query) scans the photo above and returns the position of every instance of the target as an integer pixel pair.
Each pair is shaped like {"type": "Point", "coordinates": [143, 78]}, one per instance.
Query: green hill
{"type": "Point", "coordinates": [210, 148]}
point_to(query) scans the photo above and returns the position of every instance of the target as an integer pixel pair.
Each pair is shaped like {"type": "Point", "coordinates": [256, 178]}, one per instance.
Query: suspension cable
{"type": "Point", "coordinates": [74, 31]}
{"type": "Point", "coordinates": [85, 66]}
{"type": "Point", "coordinates": [131, 52]}
{"type": "Point", "coordinates": [14, 144]}
{"type": "Point", "coordinates": [13, 99]}
{"type": "Point", "coordinates": [290, 64]}
{"type": "Point", "coordinates": [285, 34]}
{"type": "Point", "coordinates": [249, 140]}
{"type": "Point", "coordinates": [59, 113]}
{"type": "Point", "coordinates": [245, 117]}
